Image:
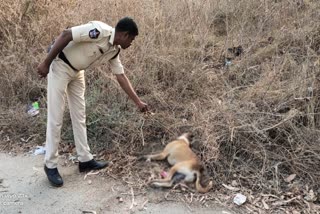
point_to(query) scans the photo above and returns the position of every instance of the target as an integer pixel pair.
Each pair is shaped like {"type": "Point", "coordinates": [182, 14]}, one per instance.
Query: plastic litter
{"type": "Point", "coordinates": [239, 199]}
{"type": "Point", "coordinates": [33, 109]}
{"type": "Point", "coordinates": [40, 150]}
{"type": "Point", "coordinates": [228, 63]}
{"type": "Point", "coordinates": [163, 174]}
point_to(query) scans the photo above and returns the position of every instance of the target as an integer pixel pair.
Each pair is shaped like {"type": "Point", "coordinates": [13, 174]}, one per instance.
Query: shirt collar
{"type": "Point", "coordinates": [112, 36]}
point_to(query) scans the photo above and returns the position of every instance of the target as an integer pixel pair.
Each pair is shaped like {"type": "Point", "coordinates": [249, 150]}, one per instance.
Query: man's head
{"type": "Point", "coordinates": [126, 31]}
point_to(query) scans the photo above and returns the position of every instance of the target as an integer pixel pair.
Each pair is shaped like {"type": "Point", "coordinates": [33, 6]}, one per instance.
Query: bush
{"type": "Point", "coordinates": [256, 120]}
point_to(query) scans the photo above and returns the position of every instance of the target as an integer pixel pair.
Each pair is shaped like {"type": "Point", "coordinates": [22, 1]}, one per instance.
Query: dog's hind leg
{"type": "Point", "coordinates": [166, 182]}
{"type": "Point", "coordinates": [161, 183]}
{"type": "Point", "coordinates": [159, 156]}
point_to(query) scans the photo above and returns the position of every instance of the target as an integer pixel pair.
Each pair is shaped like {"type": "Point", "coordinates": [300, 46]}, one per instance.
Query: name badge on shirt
{"type": "Point", "coordinates": [94, 33]}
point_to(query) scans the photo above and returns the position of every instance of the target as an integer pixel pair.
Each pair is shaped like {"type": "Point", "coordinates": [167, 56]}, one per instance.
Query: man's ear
{"type": "Point", "coordinates": [126, 34]}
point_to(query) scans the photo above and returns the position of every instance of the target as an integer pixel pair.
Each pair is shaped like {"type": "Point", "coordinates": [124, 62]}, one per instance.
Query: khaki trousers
{"type": "Point", "coordinates": [64, 82]}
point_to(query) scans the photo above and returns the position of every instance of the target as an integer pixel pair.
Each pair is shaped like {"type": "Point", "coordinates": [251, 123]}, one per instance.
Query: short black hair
{"type": "Point", "coordinates": [127, 24]}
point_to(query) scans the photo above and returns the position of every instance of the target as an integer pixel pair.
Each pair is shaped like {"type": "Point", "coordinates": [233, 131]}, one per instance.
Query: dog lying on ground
{"type": "Point", "coordinates": [185, 164]}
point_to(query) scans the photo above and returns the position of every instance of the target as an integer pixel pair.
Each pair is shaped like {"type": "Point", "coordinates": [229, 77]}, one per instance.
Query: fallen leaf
{"type": "Point", "coordinates": [89, 211]}
{"type": "Point", "coordinates": [290, 178]}
{"type": "Point", "coordinates": [142, 207]}
{"type": "Point", "coordinates": [234, 183]}
{"type": "Point", "coordinates": [265, 205]}
{"type": "Point", "coordinates": [231, 187]}
{"type": "Point", "coordinates": [35, 169]}
{"type": "Point", "coordinates": [90, 173]}
{"type": "Point", "coordinates": [310, 197]}
{"type": "Point", "coordinates": [282, 202]}
{"type": "Point", "coordinates": [120, 200]}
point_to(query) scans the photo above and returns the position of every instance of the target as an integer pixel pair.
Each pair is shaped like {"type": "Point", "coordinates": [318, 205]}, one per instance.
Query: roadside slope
{"type": "Point", "coordinates": [25, 189]}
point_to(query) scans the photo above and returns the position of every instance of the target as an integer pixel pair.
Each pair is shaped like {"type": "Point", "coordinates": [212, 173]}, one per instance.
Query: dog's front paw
{"type": "Point", "coordinates": [142, 157]}
{"type": "Point", "coordinates": [153, 184]}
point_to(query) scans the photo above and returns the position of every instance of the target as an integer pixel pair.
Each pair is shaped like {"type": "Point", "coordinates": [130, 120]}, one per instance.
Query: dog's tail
{"type": "Point", "coordinates": [199, 187]}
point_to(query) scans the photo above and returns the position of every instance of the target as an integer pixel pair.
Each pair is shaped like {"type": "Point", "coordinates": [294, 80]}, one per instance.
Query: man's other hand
{"type": "Point", "coordinates": [43, 70]}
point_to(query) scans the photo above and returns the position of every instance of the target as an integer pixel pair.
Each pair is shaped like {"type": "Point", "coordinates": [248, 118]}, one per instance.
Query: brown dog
{"type": "Point", "coordinates": [185, 164]}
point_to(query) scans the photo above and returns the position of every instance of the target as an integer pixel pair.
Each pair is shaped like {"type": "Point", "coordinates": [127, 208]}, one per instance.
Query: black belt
{"type": "Point", "coordinates": [64, 58]}
{"type": "Point", "coordinates": [116, 54]}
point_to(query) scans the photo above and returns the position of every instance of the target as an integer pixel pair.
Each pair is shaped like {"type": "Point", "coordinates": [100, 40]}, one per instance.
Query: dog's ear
{"type": "Point", "coordinates": [202, 169]}
{"type": "Point", "coordinates": [191, 136]}
{"type": "Point", "coordinates": [188, 135]}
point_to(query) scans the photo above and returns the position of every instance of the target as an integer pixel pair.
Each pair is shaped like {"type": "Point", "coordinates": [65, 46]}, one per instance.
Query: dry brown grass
{"type": "Point", "coordinates": [255, 121]}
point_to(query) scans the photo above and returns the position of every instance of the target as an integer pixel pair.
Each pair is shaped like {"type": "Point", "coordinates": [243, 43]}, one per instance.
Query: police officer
{"type": "Point", "coordinates": [75, 50]}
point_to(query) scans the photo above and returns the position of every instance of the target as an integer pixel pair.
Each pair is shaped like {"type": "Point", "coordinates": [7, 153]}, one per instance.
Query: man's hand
{"type": "Point", "coordinates": [61, 42]}
{"type": "Point", "coordinates": [143, 107]}
{"type": "Point", "coordinates": [126, 86]}
{"type": "Point", "coordinates": [43, 70]}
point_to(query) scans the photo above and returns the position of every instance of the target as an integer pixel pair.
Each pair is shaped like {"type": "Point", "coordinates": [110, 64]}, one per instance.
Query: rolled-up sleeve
{"type": "Point", "coordinates": [89, 32]}
{"type": "Point", "coordinates": [116, 66]}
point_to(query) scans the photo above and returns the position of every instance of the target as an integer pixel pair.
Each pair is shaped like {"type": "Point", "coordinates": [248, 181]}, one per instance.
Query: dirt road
{"type": "Point", "coordinates": [25, 189]}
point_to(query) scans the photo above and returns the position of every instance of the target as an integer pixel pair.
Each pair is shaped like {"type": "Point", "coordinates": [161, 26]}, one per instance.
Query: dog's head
{"type": "Point", "coordinates": [187, 137]}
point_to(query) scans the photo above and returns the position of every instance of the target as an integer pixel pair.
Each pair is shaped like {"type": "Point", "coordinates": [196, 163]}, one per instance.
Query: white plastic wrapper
{"type": "Point", "coordinates": [33, 109]}
{"type": "Point", "coordinates": [40, 150]}
{"type": "Point", "coordinates": [239, 199]}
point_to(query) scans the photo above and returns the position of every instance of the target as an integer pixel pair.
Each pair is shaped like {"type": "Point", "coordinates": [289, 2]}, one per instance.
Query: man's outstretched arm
{"type": "Point", "coordinates": [127, 87]}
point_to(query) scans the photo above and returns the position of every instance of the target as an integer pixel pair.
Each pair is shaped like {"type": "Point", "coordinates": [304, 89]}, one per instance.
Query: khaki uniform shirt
{"type": "Point", "coordinates": [92, 42]}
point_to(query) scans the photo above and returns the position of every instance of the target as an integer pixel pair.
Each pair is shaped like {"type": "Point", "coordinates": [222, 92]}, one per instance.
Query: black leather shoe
{"type": "Point", "coordinates": [92, 165]}
{"type": "Point", "coordinates": [53, 176]}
